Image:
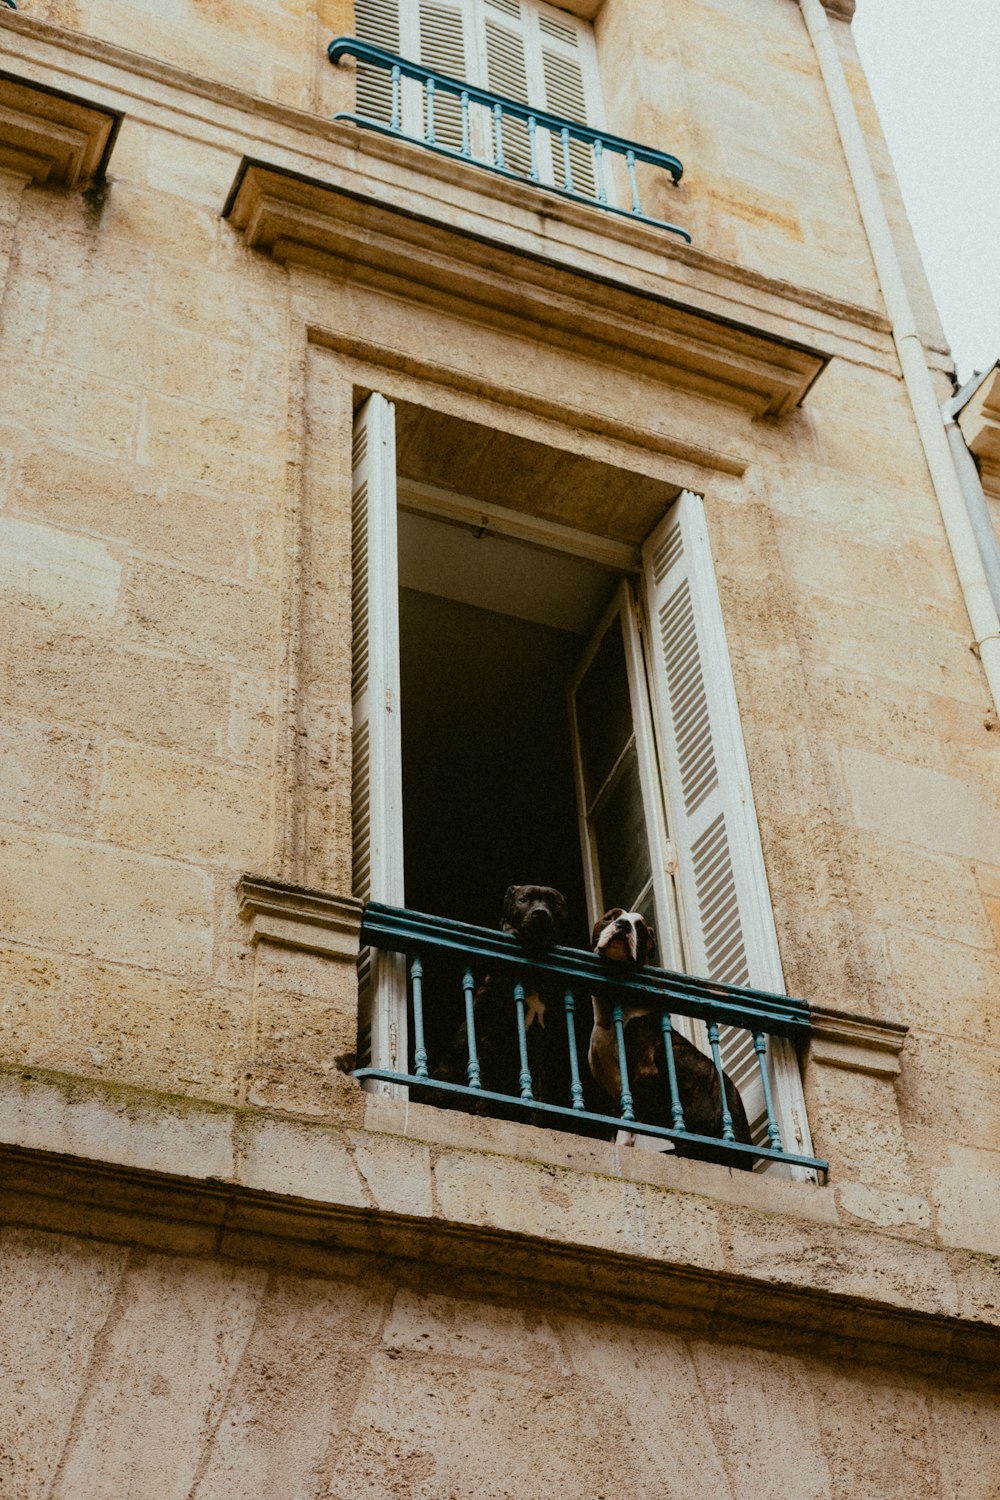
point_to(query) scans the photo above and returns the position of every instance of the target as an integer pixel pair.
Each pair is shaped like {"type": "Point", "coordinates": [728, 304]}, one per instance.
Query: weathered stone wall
{"type": "Point", "coordinates": [175, 416]}
{"type": "Point", "coordinates": [141, 1372]}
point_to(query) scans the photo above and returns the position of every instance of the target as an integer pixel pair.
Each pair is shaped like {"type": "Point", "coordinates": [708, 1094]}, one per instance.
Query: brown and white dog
{"type": "Point", "coordinates": [537, 916]}
{"type": "Point", "coordinates": [624, 937]}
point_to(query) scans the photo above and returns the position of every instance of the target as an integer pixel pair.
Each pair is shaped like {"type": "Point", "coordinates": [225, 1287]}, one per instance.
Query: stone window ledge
{"type": "Point", "coordinates": [93, 1159]}
{"type": "Point", "coordinates": [303, 220]}
{"type": "Point", "coordinates": [295, 917]}
{"type": "Point", "coordinates": [856, 1043]}
{"type": "Point", "coordinates": [51, 137]}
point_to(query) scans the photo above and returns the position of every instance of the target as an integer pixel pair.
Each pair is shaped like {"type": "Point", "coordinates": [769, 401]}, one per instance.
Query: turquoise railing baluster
{"type": "Point", "coordinates": [570, 973]}
{"type": "Point", "coordinates": [575, 1086]}
{"type": "Point", "coordinates": [544, 169]}
{"type": "Point", "coordinates": [630, 163]}
{"type": "Point", "coordinates": [773, 1131]}
{"type": "Point", "coordinates": [676, 1108]}
{"type": "Point", "coordinates": [533, 143]}
{"type": "Point", "coordinates": [602, 187]}
{"type": "Point", "coordinates": [567, 161]}
{"type": "Point", "coordinates": [469, 990]}
{"type": "Point", "coordinates": [524, 1077]}
{"type": "Point", "coordinates": [728, 1133]}
{"type": "Point", "coordinates": [466, 139]}
{"type": "Point", "coordinates": [498, 158]}
{"type": "Point", "coordinates": [417, 990]}
{"type": "Point", "coordinates": [627, 1103]}
{"type": "Point", "coordinates": [396, 116]}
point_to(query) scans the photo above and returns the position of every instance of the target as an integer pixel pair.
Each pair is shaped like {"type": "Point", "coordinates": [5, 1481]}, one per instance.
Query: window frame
{"type": "Point", "coordinates": [382, 996]}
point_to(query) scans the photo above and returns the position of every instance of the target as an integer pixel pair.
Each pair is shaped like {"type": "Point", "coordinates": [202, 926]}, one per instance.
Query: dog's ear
{"type": "Point", "coordinates": [509, 902]}
{"type": "Point", "coordinates": [602, 922]}
{"type": "Point", "coordinates": [561, 909]}
{"type": "Point", "coordinates": [650, 945]}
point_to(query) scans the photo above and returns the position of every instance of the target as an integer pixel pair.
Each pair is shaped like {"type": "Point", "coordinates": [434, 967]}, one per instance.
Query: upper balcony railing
{"type": "Point", "coordinates": [502, 135]}
{"type": "Point", "coordinates": [485, 1037]}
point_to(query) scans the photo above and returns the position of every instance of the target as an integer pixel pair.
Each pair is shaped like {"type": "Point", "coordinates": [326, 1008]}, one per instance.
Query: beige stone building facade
{"type": "Point", "coordinates": [228, 1268]}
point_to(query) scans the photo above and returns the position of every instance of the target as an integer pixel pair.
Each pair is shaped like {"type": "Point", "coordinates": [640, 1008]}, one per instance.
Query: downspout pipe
{"type": "Point", "coordinates": [972, 486]}
{"type": "Point", "coordinates": [979, 601]}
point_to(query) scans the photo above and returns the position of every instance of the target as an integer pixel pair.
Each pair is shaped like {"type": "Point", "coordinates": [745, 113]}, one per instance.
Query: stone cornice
{"type": "Point", "coordinates": [979, 420]}
{"type": "Point", "coordinates": [52, 137]}
{"type": "Point", "coordinates": [305, 221]}
{"type": "Point", "coordinates": [295, 917]}
{"type": "Point", "coordinates": [857, 1043]}
{"type": "Point", "coordinates": [761, 1260]}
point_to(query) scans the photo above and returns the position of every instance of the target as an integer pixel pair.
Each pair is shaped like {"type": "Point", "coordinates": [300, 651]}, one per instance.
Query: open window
{"type": "Point", "coordinates": [539, 703]}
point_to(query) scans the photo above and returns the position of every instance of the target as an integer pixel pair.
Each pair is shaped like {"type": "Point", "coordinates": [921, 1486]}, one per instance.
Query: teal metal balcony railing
{"type": "Point", "coordinates": [502, 135]}
{"type": "Point", "coordinates": [436, 945]}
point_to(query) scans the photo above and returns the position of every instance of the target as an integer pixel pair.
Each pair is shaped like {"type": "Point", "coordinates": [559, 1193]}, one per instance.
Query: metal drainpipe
{"type": "Point", "coordinates": [958, 528]}
{"type": "Point", "coordinates": [972, 489]}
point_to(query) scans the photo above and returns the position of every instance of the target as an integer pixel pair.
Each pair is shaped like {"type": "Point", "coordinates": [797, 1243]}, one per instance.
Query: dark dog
{"type": "Point", "coordinates": [623, 937]}
{"type": "Point", "coordinates": [537, 916]}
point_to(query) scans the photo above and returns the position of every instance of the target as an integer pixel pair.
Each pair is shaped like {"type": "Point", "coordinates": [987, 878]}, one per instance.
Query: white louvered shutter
{"type": "Point", "coordinates": [725, 902]}
{"type": "Point", "coordinates": [623, 839]}
{"type": "Point", "coordinates": [377, 796]}
{"type": "Point", "coordinates": [505, 71]}
{"type": "Point", "coordinates": [542, 56]}
{"type": "Point", "coordinates": [445, 45]}
{"type": "Point", "coordinates": [378, 22]}
{"type": "Point", "coordinates": [569, 78]}
{"type": "Point", "coordinates": [437, 33]}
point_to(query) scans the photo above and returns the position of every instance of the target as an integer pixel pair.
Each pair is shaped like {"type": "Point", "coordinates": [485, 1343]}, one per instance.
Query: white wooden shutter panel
{"type": "Point", "coordinates": [377, 799]}
{"type": "Point", "coordinates": [444, 46]}
{"type": "Point", "coordinates": [726, 907]}
{"type": "Point", "coordinates": [568, 67]}
{"type": "Point", "coordinates": [378, 22]}
{"type": "Point", "coordinates": [506, 72]}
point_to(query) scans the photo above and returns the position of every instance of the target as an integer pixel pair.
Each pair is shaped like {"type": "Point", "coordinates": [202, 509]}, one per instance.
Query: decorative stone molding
{"type": "Point", "coordinates": [301, 220]}
{"type": "Point", "coordinates": [295, 917]}
{"type": "Point", "coordinates": [840, 1040]}
{"type": "Point", "coordinates": [979, 420]}
{"type": "Point", "coordinates": [52, 137]}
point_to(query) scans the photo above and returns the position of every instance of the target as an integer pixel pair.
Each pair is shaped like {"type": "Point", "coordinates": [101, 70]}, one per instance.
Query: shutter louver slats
{"type": "Point", "coordinates": [442, 47]}
{"type": "Point", "coordinates": [557, 30]}
{"type": "Point", "coordinates": [721, 874]}
{"type": "Point", "coordinates": [376, 773]}
{"type": "Point", "coordinates": [376, 21]}
{"type": "Point", "coordinates": [507, 73]}
{"type": "Point", "coordinates": [565, 95]}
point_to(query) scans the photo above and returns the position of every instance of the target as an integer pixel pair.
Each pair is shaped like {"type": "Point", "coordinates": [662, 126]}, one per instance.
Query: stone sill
{"type": "Point", "coordinates": [492, 1206]}
{"type": "Point", "coordinates": [308, 221]}
{"type": "Point", "coordinates": [51, 137]}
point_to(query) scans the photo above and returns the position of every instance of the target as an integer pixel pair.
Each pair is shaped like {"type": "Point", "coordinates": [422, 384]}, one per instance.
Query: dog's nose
{"type": "Point", "coordinates": [622, 925]}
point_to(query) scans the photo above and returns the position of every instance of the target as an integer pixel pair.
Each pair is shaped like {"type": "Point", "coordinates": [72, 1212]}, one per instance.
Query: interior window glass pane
{"type": "Point", "coordinates": [603, 709]}
{"type": "Point", "coordinates": [622, 846]}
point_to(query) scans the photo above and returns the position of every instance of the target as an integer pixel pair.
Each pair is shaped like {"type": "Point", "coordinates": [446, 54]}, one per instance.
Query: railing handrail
{"type": "Point", "coordinates": [368, 52]}
{"type": "Point", "coordinates": [400, 930]}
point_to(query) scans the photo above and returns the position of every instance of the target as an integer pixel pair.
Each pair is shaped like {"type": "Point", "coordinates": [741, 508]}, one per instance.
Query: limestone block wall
{"type": "Point", "coordinates": [174, 580]}
{"type": "Point", "coordinates": [145, 362]}
{"type": "Point", "coordinates": [144, 1372]}
{"type": "Point", "coordinates": [732, 88]}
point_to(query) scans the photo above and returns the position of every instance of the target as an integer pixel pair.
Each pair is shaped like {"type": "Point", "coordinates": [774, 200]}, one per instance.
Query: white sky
{"type": "Point", "coordinates": [934, 70]}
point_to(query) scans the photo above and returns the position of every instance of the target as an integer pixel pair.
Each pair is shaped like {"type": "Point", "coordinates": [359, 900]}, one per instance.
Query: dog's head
{"type": "Point", "coordinates": [536, 913]}
{"type": "Point", "coordinates": [624, 937]}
